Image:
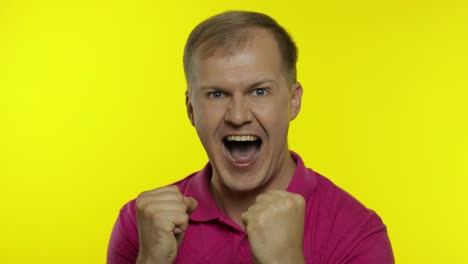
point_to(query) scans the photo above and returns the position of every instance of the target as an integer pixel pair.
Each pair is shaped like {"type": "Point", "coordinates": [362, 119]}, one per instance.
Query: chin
{"type": "Point", "coordinates": [239, 177]}
{"type": "Point", "coordinates": [242, 182]}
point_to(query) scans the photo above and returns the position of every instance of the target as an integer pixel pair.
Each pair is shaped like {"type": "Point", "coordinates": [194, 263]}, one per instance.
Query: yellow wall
{"type": "Point", "coordinates": [92, 113]}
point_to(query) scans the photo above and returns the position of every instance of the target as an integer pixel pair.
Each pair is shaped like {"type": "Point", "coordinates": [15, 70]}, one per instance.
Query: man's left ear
{"type": "Point", "coordinates": [295, 101]}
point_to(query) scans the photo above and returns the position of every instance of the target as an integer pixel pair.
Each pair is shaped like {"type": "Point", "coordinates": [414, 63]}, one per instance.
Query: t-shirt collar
{"type": "Point", "coordinates": [304, 182]}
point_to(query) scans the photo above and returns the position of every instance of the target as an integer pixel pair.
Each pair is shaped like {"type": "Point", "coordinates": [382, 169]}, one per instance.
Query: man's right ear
{"type": "Point", "coordinates": [188, 105]}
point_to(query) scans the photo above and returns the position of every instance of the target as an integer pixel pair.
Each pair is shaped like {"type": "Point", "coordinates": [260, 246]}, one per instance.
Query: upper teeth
{"type": "Point", "coordinates": [241, 138]}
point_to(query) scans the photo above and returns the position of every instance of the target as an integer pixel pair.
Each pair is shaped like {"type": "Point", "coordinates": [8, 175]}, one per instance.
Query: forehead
{"type": "Point", "coordinates": [258, 57]}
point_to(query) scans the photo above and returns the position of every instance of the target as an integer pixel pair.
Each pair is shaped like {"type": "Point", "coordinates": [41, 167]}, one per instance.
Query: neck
{"type": "Point", "coordinates": [234, 203]}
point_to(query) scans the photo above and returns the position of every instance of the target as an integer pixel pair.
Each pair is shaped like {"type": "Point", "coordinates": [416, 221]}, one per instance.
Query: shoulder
{"type": "Point", "coordinates": [188, 182]}
{"type": "Point", "coordinates": [349, 228]}
{"type": "Point", "coordinates": [123, 245]}
{"type": "Point", "coordinates": [339, 200]}
{"type": "Point", "coordinates": [345, 211]}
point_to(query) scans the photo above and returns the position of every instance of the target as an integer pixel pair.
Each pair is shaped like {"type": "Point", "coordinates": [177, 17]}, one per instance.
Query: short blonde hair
{"type": "Point", "coordinates": [231, 30]}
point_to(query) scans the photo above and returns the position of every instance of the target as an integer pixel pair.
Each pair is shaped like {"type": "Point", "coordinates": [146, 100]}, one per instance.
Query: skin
{"type": "Point", "coordinates": [243, 93]}
{"type": "Point", "coordinates": [162, 218]}
{"type": "Point", "coordinates": [275, 226]}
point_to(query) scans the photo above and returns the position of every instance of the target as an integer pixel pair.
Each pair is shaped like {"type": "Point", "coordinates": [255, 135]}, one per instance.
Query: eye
{"type": "Point", "coordinates": [260, 92]}
{"type": "Point", "coordinates": [216, 94]}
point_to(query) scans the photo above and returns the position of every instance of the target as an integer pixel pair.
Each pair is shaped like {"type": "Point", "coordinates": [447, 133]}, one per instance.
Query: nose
{"type": "Point", "coordinates": [238, 112]}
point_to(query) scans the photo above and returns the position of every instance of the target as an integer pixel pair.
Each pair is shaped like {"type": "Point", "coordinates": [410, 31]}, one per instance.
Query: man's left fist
{"type": "Point", "coordinates": [275, 227]}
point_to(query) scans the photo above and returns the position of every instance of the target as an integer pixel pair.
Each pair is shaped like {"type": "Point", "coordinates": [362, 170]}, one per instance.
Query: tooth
{"type": "Point", "coordinates": [241, 138]}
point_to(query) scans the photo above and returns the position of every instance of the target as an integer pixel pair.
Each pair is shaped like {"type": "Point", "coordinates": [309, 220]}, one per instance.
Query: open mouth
{"type": "Point", "coordinates": [242, 149]}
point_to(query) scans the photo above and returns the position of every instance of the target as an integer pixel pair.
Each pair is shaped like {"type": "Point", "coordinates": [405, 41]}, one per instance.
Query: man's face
{"type": "Point", "coordinates": [241, 106]}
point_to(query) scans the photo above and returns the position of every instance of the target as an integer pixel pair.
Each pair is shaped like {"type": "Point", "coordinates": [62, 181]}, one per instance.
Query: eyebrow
{"type": "Point", "coordinates": [255, 84]}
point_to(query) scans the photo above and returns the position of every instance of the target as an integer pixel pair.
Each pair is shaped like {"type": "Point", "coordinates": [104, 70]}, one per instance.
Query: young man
{"type": "Point", "coordinates": [255, 201]}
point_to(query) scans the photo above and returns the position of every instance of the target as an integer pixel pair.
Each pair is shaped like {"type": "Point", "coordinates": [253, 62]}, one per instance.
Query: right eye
{"type": "Point", "coordinates": [216, 94]}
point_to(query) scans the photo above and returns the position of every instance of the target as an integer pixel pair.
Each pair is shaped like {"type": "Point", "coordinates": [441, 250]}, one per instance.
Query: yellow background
{"type": "Point", "coordinates": [92, 113]}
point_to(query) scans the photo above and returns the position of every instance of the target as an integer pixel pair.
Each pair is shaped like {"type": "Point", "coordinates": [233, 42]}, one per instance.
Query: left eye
{"type": "Point", "coordinates": [260, 92]}
{"type": "Point", "coordinates": [216, 94]}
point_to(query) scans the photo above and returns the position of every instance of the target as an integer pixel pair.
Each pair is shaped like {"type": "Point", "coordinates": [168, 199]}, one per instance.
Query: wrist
{"type": "Point", "coordinates": [143, 259]}
{"type": "Point", "coordinates": [293, 257]}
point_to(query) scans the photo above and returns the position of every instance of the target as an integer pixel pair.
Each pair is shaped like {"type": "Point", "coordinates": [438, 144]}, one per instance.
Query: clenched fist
{"type": "Point", "coordinates": [275, 227]}
{"type": "Point", "coordinates": [162, 216]}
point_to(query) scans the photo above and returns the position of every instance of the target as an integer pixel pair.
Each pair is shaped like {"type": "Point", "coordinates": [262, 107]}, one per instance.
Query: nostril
{"type": "Point", "coordinates": [238, 115]}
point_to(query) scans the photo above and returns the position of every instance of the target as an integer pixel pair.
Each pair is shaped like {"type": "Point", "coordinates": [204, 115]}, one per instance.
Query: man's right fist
{"type": "Point", "coordinates": [162, 216]}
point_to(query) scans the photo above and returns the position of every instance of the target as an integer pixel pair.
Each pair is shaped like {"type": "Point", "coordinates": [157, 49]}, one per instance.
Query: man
{"type": "Point", "coordinates": [255, 201]}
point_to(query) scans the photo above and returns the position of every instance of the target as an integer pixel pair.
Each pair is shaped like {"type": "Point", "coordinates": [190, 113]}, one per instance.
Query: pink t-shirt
{"type": "Point", "coordinates": [337, 229]}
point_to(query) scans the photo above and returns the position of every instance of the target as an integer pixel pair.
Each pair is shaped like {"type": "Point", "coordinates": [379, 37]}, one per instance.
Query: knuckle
{"type": "Point", "coordinates": [260, 196]}
{"type": "Point", "coordinates": [157, 217]}
{"type": "Point", "coordinates": [171, 188]}
{"type": "Point", "coordinates": [139, 204]}
{"type": "Point", "coordinates": [184, 207]}
{"type": "Point", "coordinates": [148, 213]}
{"type": "Point", "coordinates": [262, 217]}
{"type": "Point", "coordinates": [177, 196]}
{"type": "Point", "coordinates": [179, 219]}
{"type": "Point", "coordinates": [185, 218]}
{"type": "Point", "coordinates": [244, 216]}
{"type": "Point", "coordinates": [299, 199]}
{"type": "Point", "coordinates": [288, 202]}
{"type": "Point", "coordinates": [142, 195]}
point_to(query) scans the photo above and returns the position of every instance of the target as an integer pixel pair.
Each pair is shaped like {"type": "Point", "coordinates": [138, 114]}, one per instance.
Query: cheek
{"type": "Point", "coordinates": [274, 115]}
{"type": "Point", "coordinates": [207, 118]}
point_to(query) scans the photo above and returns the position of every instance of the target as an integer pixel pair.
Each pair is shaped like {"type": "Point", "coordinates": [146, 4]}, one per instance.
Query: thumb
{"type": "Point", "coordinates": [191, 204]}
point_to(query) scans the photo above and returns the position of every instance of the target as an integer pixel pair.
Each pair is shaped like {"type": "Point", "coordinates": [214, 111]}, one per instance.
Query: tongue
{"type": "Point", "coordinates": [243, 152]}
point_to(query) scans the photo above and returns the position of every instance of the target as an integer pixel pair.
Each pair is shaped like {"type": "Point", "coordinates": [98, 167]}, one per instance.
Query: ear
{"type": "Point", "coordinates": [295, 100]}
{"type": "Point", "coordinates": [188, 105]}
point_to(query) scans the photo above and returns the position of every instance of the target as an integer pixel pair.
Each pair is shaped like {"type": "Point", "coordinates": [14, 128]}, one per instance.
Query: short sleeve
{"type": "Point", "coordinates": [123, 244]}
{"type": "Point", "coordinates": [373, 245]}
{"type": "Point", "coordinates": [369, 243]}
